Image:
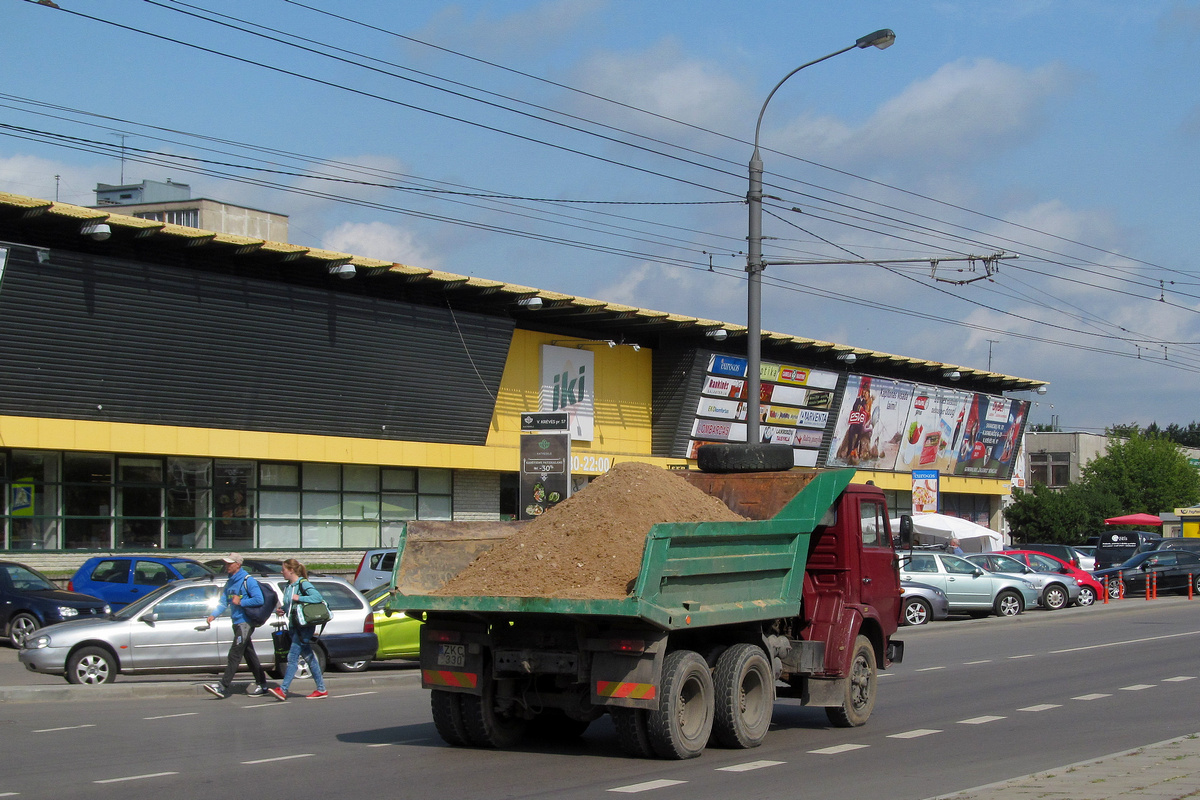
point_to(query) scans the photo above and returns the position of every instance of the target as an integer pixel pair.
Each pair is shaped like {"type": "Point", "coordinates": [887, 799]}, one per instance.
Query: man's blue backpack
{"type": "Point", "coordinates": [258, 615]}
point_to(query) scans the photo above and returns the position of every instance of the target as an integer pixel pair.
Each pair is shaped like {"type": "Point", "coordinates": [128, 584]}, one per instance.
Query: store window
{"type": "Point", "coordinates": [189, 503]}
{"type": "Point", "coordinates": [31, 501]}
{"type": "Point", "coordinates": [234, 492]}
{"type": "Point", "coordinates": [87, 489]}
{"type": "Point", "coordinates": [139, 521]}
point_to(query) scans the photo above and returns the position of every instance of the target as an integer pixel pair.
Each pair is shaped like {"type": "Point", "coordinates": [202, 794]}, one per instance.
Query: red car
{"type": "Point", "coordinates": [1089, 588]}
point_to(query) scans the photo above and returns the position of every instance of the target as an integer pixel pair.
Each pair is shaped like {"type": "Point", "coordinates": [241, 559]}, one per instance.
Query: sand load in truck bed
{"type": "Point", "coordinates": [590, 545]}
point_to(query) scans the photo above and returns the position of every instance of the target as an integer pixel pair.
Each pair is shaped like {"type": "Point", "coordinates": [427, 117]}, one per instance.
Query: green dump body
{"type": "Point", "coordinates": [692, 575]}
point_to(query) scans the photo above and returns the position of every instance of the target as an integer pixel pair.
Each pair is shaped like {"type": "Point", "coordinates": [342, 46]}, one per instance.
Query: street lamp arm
{"type": "Point", "coordinates": [763, 110]}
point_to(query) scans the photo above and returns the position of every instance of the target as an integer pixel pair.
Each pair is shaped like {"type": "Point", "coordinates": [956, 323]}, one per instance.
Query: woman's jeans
{"type": "Point", "coordinates": [302, 637]}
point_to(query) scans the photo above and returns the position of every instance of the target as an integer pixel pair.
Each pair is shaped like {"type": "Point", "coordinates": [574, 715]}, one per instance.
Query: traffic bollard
{"type": "Point", "coordinates": [1190, 584]}
{"type": "Point", "coordinates": [1121, 585]}
{"type": "Point", "coordinates": [1105, 589]}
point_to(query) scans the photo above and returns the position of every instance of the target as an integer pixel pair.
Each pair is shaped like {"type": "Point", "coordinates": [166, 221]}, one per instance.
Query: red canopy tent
{"type": "Point", "coordinates": [1134, 519]}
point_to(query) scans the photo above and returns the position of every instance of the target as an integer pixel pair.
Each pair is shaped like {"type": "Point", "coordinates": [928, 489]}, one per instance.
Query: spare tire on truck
{"type": "Point", "coordinates": [744, 458]}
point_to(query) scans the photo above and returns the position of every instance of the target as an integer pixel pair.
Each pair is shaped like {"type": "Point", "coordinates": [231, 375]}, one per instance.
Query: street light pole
{"type": "Point", "coordinates": [754, 261]}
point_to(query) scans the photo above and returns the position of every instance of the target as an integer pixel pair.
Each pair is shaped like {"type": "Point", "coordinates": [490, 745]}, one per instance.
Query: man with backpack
{"type": "Point", "coordinates": [246, 602]}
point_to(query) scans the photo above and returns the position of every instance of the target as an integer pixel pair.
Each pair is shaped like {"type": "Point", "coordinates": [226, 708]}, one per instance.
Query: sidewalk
{"type": "Point", "coordinates": [1167, 770]}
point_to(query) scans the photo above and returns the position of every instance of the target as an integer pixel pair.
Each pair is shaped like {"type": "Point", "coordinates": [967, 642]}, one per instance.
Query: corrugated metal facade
{"type": "Point", "coordinates": [96, 338]}
{"type": "Point", "coordinates": [676, 392]}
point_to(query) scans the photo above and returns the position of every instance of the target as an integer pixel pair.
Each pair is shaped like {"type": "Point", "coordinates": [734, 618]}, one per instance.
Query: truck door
{"type": "Point", "coordinates": [880, 580]}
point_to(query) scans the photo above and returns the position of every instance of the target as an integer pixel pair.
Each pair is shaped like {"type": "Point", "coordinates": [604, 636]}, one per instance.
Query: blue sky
{"type": "Point", "coordinates": [1064, 133]}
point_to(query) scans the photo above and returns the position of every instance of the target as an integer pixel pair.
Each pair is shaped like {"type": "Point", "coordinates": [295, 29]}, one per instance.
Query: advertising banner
{"type": "Point", "coordinates": [934, 429]}
{"type": "Point", "coordinates": [990, 439]}
{"type": "Point", "coordinates": [871, 423]}
{"type": "Point", "coordinates": [545, 477]}
{"type": "Point", "coordinates": [925, 490]}
{"type": "Point", "coordinates": [568, 378]}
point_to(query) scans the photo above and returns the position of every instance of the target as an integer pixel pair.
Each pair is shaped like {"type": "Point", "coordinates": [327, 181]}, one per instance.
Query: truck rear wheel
{"type": "Point", "coordinates": [745, 696]}
{"type": "Point", "coordinates": [486, 725]}
{"type": "Point", "coordinates": [680, 726]}
{"type": "Point", "coordinates": [633, 733]}
{"type": "Point", "coordinates": [448, 718]}
{"type": "Point", "coordinates": [859, 692]}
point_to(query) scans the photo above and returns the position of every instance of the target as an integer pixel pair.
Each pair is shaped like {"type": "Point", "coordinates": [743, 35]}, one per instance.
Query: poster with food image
{"type": "Point", "coordinates": [935, 423]}
{"type": "Point", "coordinates": [925, 484]}
{"type": "Point", "coordinates": [870, 425]}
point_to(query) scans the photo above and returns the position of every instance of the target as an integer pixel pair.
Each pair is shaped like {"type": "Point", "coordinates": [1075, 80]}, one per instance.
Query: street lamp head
{"type": "Point", "coordinates": [883, 39]}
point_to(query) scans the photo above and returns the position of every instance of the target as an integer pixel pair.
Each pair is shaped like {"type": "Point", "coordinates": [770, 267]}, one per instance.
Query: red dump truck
{"type": "Point", "coordinates": [799, 602]}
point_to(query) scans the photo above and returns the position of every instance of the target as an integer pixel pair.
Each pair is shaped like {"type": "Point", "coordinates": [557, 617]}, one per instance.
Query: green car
{"type": "Point", "coordinates": [399, 635]}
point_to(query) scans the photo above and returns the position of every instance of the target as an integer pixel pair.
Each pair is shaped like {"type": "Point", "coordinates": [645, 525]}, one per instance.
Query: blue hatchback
{"type": "Point", "coordinates": [29, 600]}
{"type": "Point", "coordinates": [119, 580]}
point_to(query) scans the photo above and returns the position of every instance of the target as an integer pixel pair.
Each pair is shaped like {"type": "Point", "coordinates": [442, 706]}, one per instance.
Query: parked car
{"type": "Point", "coordinates": [920, 603]}
{"type": "Point", "coordinates": [1179, 543]}
{"type": "Point", "coordinates": [375, 568]}
{"type": "Point", "coordinates": [29, 600]}
{"type": "Point", "coordinates": [1117, 547]}
{"type": "Point", "coordinates": [119, 580]}
{"type": "Point", "coordinates": [969, 587]}
{"type": "Point", "coordinates": [1055, 589]}
{"type": "Point", "coordinates": [1090, 589]}
{"type": "Point", "coordinates": [255, 566]}
{"type": "Point", "coordinates": [399, 635]}
{"type": "Point", "coordinates": [1063, 552]}
{"type": "Point", "coordinates": [165, 631]}
{"type": "Point", "coordinates": [1174, 570]}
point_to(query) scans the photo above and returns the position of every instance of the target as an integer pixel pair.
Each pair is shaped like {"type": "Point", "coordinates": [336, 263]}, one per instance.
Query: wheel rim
{"type": "Point", "coordinates": [1010, 606]}
{"type": "Point", "coordinates": [92, 670]}
{"type": "Point", "coordinates": [1086, 596]}
{"type": "Point", "coordinates": [1114, 590]}
{"type": "Point", "coordinates": [22, 628]}
{"type": "Point", "coordinates": [860, 683]}
{"type": "Point", "coordinates": [915, 613]}
{"type": "Point", "coordinates": [1056, 598]}
{"type": "Point", "coordinates": [692, 711]}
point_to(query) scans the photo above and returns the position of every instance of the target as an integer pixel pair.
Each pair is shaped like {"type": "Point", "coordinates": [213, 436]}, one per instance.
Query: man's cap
{"type": "Point", "coordinates": [232, 558]}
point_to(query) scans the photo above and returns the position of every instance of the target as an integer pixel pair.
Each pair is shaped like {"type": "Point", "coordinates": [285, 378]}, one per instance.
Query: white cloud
{"type": "Point", "coordinates": [382, 241]}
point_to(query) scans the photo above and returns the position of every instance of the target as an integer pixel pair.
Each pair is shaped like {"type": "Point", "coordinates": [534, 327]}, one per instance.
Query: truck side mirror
{"type": "Point", "coordinates": [906, 531]}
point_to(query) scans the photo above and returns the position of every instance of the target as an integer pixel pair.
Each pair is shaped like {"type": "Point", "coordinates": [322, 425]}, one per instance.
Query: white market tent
{"type": "Point", "coordinates": [938, 528]}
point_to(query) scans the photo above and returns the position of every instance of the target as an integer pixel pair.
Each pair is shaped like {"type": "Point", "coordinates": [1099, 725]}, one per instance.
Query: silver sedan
{"type": "Point", "coordinates": [920, 603]}
{"type": "Point", "coordinates": [1055, 590]}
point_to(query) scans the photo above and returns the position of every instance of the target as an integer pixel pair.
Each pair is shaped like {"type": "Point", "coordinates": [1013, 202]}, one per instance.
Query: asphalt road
{"type": "Point", "coordinates": [976, 701]}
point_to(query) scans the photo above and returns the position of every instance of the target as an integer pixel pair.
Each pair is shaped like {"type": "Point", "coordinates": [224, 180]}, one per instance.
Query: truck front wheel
{"type": "Point", "coordinates": [859, 693]}
{"type": "Point", "coordinates": [486, 725]}
{"type": "Point", "coordinates": [680, 726]}
{"type": "Point", "coordinates": [745, 696]}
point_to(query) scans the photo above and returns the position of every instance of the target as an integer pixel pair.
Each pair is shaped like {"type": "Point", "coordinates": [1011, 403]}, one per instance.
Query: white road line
{"type": "Point", "coordinates": [279, 758]}
{"type": "Point", "coordinates": [979, 720]}
{"type": "Point", "coordinates": [981, 661]}
{"type": "Point", "coordinates": [353, 694]}
{"type": "Point", "coordinates": [270, 704]}
{"type": "Point", "coordinates": [1027, 655]}
{"type": "Point", "coordinates": [913, 734]}
{"type": "Point", "coordinates": [634, 788]}
{"type": "Point", "coordinates": [68, 728]}
{"type": "Point", "coordinates": [749, 766]}
{"type": "Point", "coordinates": [1178, 678]}
{"type": "Point", "coordinates": [9, 794]}
{"type": "Point", "coordinates": [1093, 696]}
{"type": "Point", "coordinates": [836, 749]}
{"type": "Point", "coordinates": [1137, 687]}
{"type": "Point", "coordinates": [1127, 641]}
{"type": "Point", "coordinates": [172, 716]}
{"type": "Point", "coordinates": [1041, 707]}
{"type": "Point", "coordinates": [929, 669]}
{"type": "Point", "coordinates": [137, 777]}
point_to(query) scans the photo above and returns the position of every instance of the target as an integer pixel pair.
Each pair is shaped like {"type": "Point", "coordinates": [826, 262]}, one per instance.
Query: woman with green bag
{"type": "Point", "coordinates": [299, 597]}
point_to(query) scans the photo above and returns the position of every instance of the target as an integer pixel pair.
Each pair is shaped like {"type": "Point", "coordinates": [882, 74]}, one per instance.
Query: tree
{"type": "Point", "coordinates": [1143, 473]}
{"type": "Point", "coordinates": [1061, 516]}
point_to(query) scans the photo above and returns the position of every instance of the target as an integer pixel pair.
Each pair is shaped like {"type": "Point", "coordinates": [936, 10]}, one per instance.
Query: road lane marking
{"type": "Point", "coordinates": [836, 749]}
{"type": "Point", "coordinates": [353, 694]}
{"type": "Point", "coordinates": [913, 734]}
{"type": "Point", "coordinates": [981, 661]}
{"type": "Point", "coordinates": [634, 788]}
{"type": "Point", "coordinates": [1093, 696]}
{"type": "Point", "coordinates": [279, 758]}
{"type": "Point", "coordinates": [1137, 687]}
{"type": "Point", "coordinates": [1127, 641]}
{"type": "Point", "coordinates": [929, 669]}
{"type": "Point", "coordinates": [137, 777]}
{"type": "Point", "coordinates": [172, 716]}
{"type": "Point", "coordinates": [1041, 707]}
{"type": "Point", "coordinates": [1178, 678]}
{"type": "Point", "coordinates": [749, 766]}
{"type": "Point", "coordinates": [1027, 655]}
{"type": "Point", "coordinates": [979, 720]}
{"type": "Point", "coordinates": [67, 728]}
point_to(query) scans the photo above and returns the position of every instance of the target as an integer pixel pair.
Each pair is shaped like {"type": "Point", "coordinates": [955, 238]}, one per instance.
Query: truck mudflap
{"type": "Point", "coordinates": [625, 670]}
{"type": "Point", "coordinates": [895, 651]}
